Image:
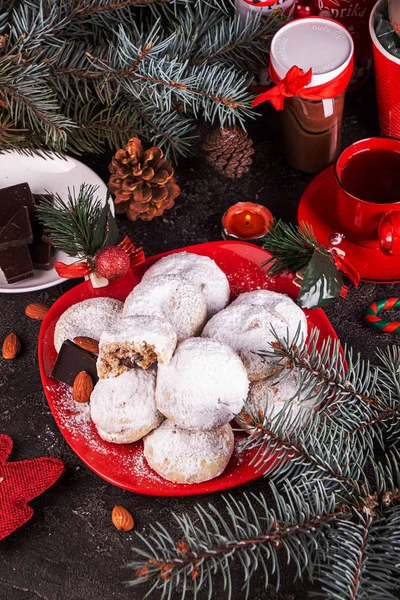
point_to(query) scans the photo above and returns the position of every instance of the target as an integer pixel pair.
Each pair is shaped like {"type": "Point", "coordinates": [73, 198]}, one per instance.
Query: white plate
{"type": "Point", "coordinates": [55, 175]}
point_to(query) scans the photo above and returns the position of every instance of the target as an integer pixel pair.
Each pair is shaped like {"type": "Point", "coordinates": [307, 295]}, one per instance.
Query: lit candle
{"type": "Point", "coordinates": [246, 221]}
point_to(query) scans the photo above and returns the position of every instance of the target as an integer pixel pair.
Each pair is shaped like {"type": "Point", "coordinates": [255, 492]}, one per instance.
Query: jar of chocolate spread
{"type": "Point", "coordinates": [311, 119]}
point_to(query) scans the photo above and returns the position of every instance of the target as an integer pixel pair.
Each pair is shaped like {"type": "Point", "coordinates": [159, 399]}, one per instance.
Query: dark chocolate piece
{"type": "Point", "coordinates": [71, 360]}
{"type": "Point", "coordinates": [18, 231]}
{"type": "Point", "coordinates": [11, 200]}
{"type": "Point", "coordinates": [41, 255]}
{"type": "Point", "coordinates": [37, 198]}
{"type": "Point", "coordinates": [16, 264]}
{"type": "Point", "coordinates": [40, 251]}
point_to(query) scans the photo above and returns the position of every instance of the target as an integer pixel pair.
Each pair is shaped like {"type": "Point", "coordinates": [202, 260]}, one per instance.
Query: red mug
{"type": "Point", "coordinates": [367, 216]}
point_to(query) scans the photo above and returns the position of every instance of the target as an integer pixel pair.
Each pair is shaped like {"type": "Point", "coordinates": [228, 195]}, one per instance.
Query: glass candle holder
{"type": "Point", "coordinates": [246, 222]}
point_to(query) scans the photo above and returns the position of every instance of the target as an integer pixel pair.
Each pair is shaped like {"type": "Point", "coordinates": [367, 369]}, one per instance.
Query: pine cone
{"type": "Point", "coordinates": [143, 181]}
{"type": "Point", "coordinates": [229, 151]}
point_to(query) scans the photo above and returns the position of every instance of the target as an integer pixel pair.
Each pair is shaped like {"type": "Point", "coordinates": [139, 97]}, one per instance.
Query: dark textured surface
{"type": "Point", "coordinates": [70, 550]}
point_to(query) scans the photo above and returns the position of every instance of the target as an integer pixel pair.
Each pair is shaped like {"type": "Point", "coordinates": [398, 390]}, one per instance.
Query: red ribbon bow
{"type": "Point", "coordinates": [295, 83]}
{"type": "Point", "coordinates": [82, 269]}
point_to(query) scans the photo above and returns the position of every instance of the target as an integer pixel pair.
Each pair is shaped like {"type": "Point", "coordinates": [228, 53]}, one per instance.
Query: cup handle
{"type": "Point", "coordinates": [389, 232]}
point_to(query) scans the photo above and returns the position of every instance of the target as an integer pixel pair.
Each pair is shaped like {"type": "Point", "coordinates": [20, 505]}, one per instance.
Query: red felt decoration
{"type": "Point", "coordinates": [20, 482]}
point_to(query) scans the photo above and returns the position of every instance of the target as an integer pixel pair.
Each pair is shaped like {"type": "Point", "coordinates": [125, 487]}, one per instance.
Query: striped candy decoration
{"type": "Point", "coordinates": [371, 315]}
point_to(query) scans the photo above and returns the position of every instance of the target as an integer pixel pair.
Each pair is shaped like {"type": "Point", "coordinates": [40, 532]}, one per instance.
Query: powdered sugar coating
{"type": "Point", "coordinates": [171, 298]}
{"type": "Point", "coordinates": [185, 456]}
{"type": "Point", "coordinates": [279, 393]}
{"type": "Point", "coordinates": [87, 318]}
{"type": "Point", "coordinates": [201, 271]}
{"type": "Point", "coordinates": [124, 408]}
{"type": "Point", "coordinates": [203, 386]}
{"type": "Point", "coordinates": [143, 330]}
{"type": "Point", "coordinates": [246, 324]}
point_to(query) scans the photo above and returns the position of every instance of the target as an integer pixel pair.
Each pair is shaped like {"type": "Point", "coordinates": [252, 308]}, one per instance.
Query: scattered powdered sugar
{"type": "Point", "coordinates": [74, 416]}
{"type": "Point", "coordinates": [203, 385]}
{"type": "Point", "coordinates": [172, 298]}
{"type": "Point", "coordinates": [87, 318]}
{"type": "Point", "coordinates": [124, 408]}
{"type": "Point", "coordinates": [201, 271]}
{"type": "Point", "coordinates": [186, 456]}
{"type": "Point", "coordinates": [246, 324]}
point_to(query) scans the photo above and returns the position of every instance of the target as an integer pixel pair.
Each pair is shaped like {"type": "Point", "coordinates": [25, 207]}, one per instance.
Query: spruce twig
{"type": "Point", "coordinates": [77, 225]}
{"type": "Point", "coordinates": [356, 555]}
{"type": "Point", "coordinates": [292, 247]}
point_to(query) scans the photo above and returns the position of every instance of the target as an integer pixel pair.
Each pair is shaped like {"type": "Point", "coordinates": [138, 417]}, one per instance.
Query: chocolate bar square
{"type": "Point", "coordinates": [40, 250]}
{"type": "Point", "coordinates": [18, 231]}
{"type": "Point", "coordinates": [12, 199]}
{"type": "Point", "coordinates": [71, 360]}
{"type": "Point", "coordinates": [41, 255]}
{"type": "Point", "coordinates": [44, 238]}
{"type": "Point", "coordinates": [16, 263]}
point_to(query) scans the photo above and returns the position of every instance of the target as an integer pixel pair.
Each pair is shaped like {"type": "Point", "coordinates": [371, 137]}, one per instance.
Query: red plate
{"type": "Point", "coordinates": [318, 208]}
{"type": "Point", "coordinates": [124, 465]}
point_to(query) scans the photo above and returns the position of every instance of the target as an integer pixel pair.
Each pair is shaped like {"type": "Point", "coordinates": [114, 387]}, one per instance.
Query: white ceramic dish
{"type": "Point", "coordinates": [55, 175]}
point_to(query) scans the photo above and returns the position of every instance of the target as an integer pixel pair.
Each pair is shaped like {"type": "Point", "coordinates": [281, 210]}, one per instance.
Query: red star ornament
{"type": "Point", "coordinates": [20, 482]}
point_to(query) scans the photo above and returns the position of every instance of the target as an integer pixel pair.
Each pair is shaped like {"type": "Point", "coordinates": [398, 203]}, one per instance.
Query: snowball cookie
{"type": "Point", "coordinates": [87, 318]}
{"type": "Point", "coordinates": [246, 325]}
{"type": "Point", "coordinates": [203, 386]}
{"type": "Point", "coordinates": [124, 408]}
{"type": "Point", "coordinates": [138, 340]}
{"type": "Point", "coordinates": [184, 456]}
{"type": "Point", "coordinates": [201, 271]}
{"type": "Point", "coordinates": [172, 298]}
{"type": "Point", "coordinates": [275, 394]}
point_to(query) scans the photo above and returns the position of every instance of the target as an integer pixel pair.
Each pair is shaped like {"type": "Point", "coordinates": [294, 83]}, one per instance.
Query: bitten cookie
{"type": "Point", "coordinates": [201, 271]}
{"type": "Point", "coordinates": [87, 318]}
{"type": "Point", "coordinates": [172, 298]}
{"type": "Point", "coordinates": [138, 340]}
{"type": "Point", "coordinates": [185, 456]}
{"type": "Point", "coordinates": [248, 326]}
{"type": "Point", "coordinates": [124, 408]}
{"type": "Point", "coordinates": [203, 386]}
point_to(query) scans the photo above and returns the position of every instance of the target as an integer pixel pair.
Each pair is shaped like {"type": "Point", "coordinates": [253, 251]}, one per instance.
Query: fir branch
{"type": "Point", "coordinates": [347, 390]}
{"type": "Point", "coordinates": [85, 9]}
{"type": "Point", "coordinates": [292, 248]}
{"type": "Point", "coordinates": [364, 556]}
{"type": "Point", "coordinates": [303, 450]}
{"type": "Point", "coordinates": [238, 42]}
{"type": "Point", "coordinates": [295, 527]}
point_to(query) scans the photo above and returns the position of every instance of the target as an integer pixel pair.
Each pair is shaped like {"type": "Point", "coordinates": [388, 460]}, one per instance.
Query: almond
{"type": "Point", "coordinates": [122, 518]}
{"type": "Point", "coordinates": [11, 346]}
{"type": "Point", "coordinates": [36, 311]}
{"type": "Point", "coordinates": [83, 387]}
{"type": "Point", "coordinates": [88, 344]}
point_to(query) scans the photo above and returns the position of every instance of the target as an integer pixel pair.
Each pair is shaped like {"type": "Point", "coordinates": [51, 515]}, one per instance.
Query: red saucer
{"type": "Point", "coordinates": [318, 208]}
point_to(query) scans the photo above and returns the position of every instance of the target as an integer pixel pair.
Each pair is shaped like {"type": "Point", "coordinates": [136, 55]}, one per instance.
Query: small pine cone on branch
{"type": "Point", "coordinates": [230, 151]}
{"type": "Point", "coordinates": [143, 181]}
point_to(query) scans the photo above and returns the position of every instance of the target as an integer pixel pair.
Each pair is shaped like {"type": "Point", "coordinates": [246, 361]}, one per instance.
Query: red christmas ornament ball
{"type": "Point", "coordinates": [111, 262]}
{"type": "Point", "coordinates": [305, 8]}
